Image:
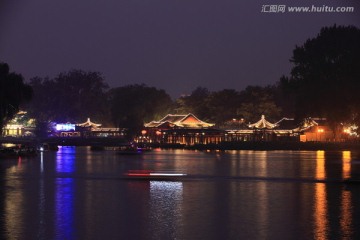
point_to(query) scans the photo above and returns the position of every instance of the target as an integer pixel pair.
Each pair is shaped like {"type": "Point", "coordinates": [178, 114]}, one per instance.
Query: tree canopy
{"type": "Point", "coordinates": [13, 92]}
{"type": "Point", "coordinates": [133, 105]}
{"type": "Point", "coordinates": [195, 103]}
{"type": "Point", "coordinates": [224, 105]}
{"type": "Point", "coordinates": [70, 97]}
{"type": "Point", "coordinates": [325, 75]}
{"type": "Point", "coordinates": [256, 101]}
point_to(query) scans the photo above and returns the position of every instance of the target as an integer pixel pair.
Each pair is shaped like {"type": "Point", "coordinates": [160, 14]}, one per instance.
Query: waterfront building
{"type": "Point", "coordinates": [189, 130]}
{"type": "Point", "coordinates": [315, 130]}
{"type": "Point", "coordinates": [186, 129]}
{"type": "Point", "coordinates": [286, 129]}
{"type": "Point", "coordinates": [236, 131]}
{"type": "Point", "coordinates": [180, 121]}
{"type": "Point", "coordinates": [86, 129]}
{"type": "Point", "coordinates": [262, 130]}
{"type": "Point", "coordinates": [21, 125]}
{"type": "Point", "coordinates": [64, 130]}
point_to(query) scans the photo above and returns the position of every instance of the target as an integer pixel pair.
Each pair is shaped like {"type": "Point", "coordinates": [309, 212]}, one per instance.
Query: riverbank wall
{"type": "Point", "coordinates": [246, 145]}
{"type": "Point", "coordinates": [311, 146]}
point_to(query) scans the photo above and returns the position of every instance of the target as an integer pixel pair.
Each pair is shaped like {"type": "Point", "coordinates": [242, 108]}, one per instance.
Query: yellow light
{"type": "Point", "coordinates": [13, 126]}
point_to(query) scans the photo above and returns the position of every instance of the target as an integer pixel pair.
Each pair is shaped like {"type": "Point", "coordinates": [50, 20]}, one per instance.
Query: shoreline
{"type": "Point", "coordinates": [261, 146]}
{"type": "Point", "coordinates": [113, 142]}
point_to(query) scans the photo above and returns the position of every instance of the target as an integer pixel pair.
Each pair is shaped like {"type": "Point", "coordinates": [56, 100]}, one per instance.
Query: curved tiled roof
{"type": "Point", "coordinates": [263, 124]}
{"type": "Point", "coordinates": [181, 120]}
{"type": "Point", "coordinates": [88, 123]}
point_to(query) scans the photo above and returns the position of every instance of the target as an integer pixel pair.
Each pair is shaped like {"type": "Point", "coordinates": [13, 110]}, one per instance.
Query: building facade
{"type": "Point", "coordinates": [185, 129]}
{"type": "Point", "coordinates": [190, 130]}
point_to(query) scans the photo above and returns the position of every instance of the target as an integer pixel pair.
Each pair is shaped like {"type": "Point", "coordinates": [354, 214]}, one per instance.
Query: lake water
{"type": "Point", "coordinates": [76, 193]}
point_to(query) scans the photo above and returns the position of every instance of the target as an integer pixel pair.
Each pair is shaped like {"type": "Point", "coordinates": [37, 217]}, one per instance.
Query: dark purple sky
{"type": "Point", "coordinates": [175, 45]}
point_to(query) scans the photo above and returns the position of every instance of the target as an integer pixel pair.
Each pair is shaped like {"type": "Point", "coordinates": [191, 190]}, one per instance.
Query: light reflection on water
{"type": "Point", "coordinates": [320, 199]}
{"type": "Point", "coordinates": [64, 193]}
{"type": "Point", "coordinates": [77, 194]}
{"type": "Point", "coordinates": [321, 212]}
{"type": "Point", "coordinates": [165, 209]}
{"type": "Point", "coordinates": [346, 164]}
{"type": "Point", "coordinates": [346, 215]}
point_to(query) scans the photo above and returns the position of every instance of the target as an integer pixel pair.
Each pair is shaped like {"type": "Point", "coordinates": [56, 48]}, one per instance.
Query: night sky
{"type": "Point", "coordinates": [175, 45]}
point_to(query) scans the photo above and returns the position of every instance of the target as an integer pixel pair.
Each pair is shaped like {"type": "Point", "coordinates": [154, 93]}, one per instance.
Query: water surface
{"type": "Point", "coordinates": [76, 193]}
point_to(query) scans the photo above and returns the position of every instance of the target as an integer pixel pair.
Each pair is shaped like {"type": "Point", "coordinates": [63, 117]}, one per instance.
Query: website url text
{"type": "Point", "coordinates": [309, 9]}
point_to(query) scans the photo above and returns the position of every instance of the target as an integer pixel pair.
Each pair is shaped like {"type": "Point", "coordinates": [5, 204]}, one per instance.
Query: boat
{"type": "Point", "coordinates": [143, 147]}
{"type": "Point", "coordinates": [154, 175]}
{"type": "Point", "coordinates": [129, 150]}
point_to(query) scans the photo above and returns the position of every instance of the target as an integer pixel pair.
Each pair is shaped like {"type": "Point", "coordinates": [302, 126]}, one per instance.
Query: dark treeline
{"type": "Point", "coordinates": [76, 95]}
{"type": "Point", "coordinates": [324, 82]}
{"type": "Point", "coordinates": [13, 92]}
{"type": "Point", "coordinates": [225, 105]}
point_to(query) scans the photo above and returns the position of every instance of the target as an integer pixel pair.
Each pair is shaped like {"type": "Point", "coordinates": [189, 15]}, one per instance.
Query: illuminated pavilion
{"type": "Point", "coordinates": [20, 125]}
{"type": "Point", "coordinates": [189, 130]}
{"type": "Point", "coordinates": [87, 129]}
{"type": "Point", "coordinates": [286, 129]}
{"type": "Point", "coordinates": [91, 129]}
{"type": "Point", "coordinates": [262, 130]}
{"type": "Point", "coordinates": [89, 124]}
{"type": "Point", "coordinates": [184, 129]}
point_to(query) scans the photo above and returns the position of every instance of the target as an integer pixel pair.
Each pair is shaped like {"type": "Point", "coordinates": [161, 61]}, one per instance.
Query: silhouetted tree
{"type": "Point", "coordinates": [325, 76]}
{"type": "Point", "coordinates": [284, 97]}
{"type": "Point", "coordinates": [257, 101]}
{"type": "Point", "coordinates": [223, 105]}
{"type": "Point", "coordinates": [13, 92]}
{"type": "Point", "coordinates": [196, 103]}
{"type": "Point", "coordinates": [133, 105]}
{"type": "Point", "coordinates": [70, 97]}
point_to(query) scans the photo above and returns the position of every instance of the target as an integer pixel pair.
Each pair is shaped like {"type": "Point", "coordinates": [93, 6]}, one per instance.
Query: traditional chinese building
{"type": "Point", "coordinates": [181, 129]}
{"type": "Point", "coordinates": [263, 130]}
{"type": "Point", "coordinates": [236, 130]}
{"type": "Point", "coordinates": [21, 125]}
{"type": "Point", "coordinates": [315, 129]}
{"type": "Point", "coordinates": [189, 130]}
{"type": "Point", "coordinates": [86, 129]}
{"type": "Point", "coordinates": [286, 129]}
